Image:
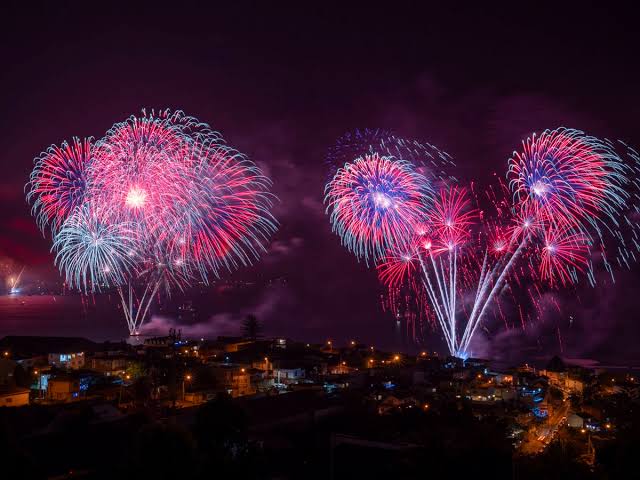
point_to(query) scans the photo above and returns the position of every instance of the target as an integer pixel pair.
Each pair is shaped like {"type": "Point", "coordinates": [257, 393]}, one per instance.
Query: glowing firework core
{"type": "Point", "coordinates": [539, 188]}
{"type": "Point", "coordinates": [136, 198]}
{"type": "Point", "coordinates": [381, 200]}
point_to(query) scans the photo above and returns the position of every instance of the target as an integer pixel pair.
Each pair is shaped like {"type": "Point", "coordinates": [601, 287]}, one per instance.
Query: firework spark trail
{"type": "Point", "coordinates": [160, 200]}
{"type": "Point", "coordinates": [435, 303]}
{"type": "Point", "coordinates": [474, 322]}
{"type": "Point", "coordinates": [15, 281]}
{"type": "Point", "coordinates": [573, 184]}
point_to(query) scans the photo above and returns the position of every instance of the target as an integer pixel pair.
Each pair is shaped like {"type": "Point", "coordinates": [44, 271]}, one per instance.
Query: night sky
{"type": "Point", "coordinates": [282, 84]}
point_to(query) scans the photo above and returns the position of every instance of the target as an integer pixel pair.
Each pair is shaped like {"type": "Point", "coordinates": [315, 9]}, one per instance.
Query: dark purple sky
{"type": "Point", "coordinates": [282, 83]}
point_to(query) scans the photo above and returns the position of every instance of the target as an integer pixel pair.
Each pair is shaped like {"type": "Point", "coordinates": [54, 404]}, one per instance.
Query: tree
{"type": "Point", "coordinates": [556, 394]}
{"type": "Point", "coordinates": [222, 438]}
{"type": "Point", "coordinates": [221, 425]}
{"type": "Point", "coordinates": [163, 452]}
{"type": "Point", "coordinates": [136, 370]}
{"type": "Point", "coordinates": [251, 327]}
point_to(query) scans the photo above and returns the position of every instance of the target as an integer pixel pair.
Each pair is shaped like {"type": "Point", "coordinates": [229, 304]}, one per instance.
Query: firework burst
{"type": "Point", "coordinates": [58, 182]}
{"type": "Point", "coordinates": [375, 204]}
{"type": "Point", "coordinates": [568, 196]}
{"type": "Point", "coordinates": [569, 178]}
{"type": "Point", "coordinates": [93, 253]}
{"type": "Point", "coordinates": [159, 200]}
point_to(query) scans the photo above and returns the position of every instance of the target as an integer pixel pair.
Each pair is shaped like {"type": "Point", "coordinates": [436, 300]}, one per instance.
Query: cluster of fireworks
{"type": "Point", "coordinates": [159, 202]}
{"type": "Point", "coordinates": [567, 199]}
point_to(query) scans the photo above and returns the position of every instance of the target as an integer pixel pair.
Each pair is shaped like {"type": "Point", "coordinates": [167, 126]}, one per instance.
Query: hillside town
{"type": "Point", "coordinates": [281, 385]}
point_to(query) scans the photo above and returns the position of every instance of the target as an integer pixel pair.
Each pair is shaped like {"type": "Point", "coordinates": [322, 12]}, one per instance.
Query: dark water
{"type": "Point", "coordinates": [216, 311]}
{"type": "Point", "coordinates": [70, 315]}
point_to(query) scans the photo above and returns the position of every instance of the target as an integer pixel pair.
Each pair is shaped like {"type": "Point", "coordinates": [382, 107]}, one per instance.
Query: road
{"type": "Point", "coordinates": [539, 437]}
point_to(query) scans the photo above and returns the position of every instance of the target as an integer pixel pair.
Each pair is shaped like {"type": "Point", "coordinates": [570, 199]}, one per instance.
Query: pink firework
{"type": "Point", "coordinates": [58, 182]}
{"type": "Point", "coordinates": [568, 177]}
{"type": "Point", "coordinates": [375, 203]}
{"type": "Point", "coordinates": [143, 173]}
{"type": "Point", "coordinates": [398, 268]}
{"type": "Point", "coordinates": [451, 216]}
{"type": "Point", "coordinates": [164, 194]}
{"type": "Point", "coordinates": [563, 255]}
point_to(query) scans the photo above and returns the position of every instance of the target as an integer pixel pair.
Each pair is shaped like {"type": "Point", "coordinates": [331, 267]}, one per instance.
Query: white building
{"type": "Point", "coordinates": [575, 421]}
{"type": "Point", "coordinates": [288, 375]}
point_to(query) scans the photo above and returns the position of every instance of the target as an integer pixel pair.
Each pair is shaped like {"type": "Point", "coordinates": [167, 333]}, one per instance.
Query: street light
{"type": "Point", "coordinates": [187, 377]}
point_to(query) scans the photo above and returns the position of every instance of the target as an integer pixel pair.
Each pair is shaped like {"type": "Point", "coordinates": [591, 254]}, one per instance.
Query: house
{"type": "Point", "coordinates": [30, 347]}
{"type": "Point", "coordinates": [574, 385]}
{"type": "Point", "coordinates": [389, 404]}
{"type": "Point", "coordinates": [63, 389]}
{"type": "Point", "coordinates": [501, 378]}
{"type": "Point", "coordinates": [340, 369]}
{"type": "Point", "coordinates": [159, 342]}
{"type": "Point", "coordinates": [288, 375]}
{"type": "Point", "coordinates": [262, 364]}
{"type": "Point", "coordinates": [482, 394]}
{"type": "Point", "coordinates": [109, 365]}
{"type": "Point", "coordinates": [233, 379]}
{"type": "Point", "coordinates": [234, 344]}
{"type": "Point", "coordinates": [505, 393]}
{"type": "Point", "coordinates": [7, 367]}
{"type": "Point", "coordinates": [71, 360]}
{"type": "Point", "coordinates": [14, 396]}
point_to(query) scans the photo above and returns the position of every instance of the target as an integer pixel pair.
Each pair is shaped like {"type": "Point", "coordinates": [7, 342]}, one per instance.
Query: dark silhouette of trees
{"type": "Point", "coordinates": [21, 377]}
{"type": "Point", "coordinates": [221, 426]}
{"type": "Point", "coordinates": [251, 327]}
{"type": "Point", "coordinates": [163, 452]}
